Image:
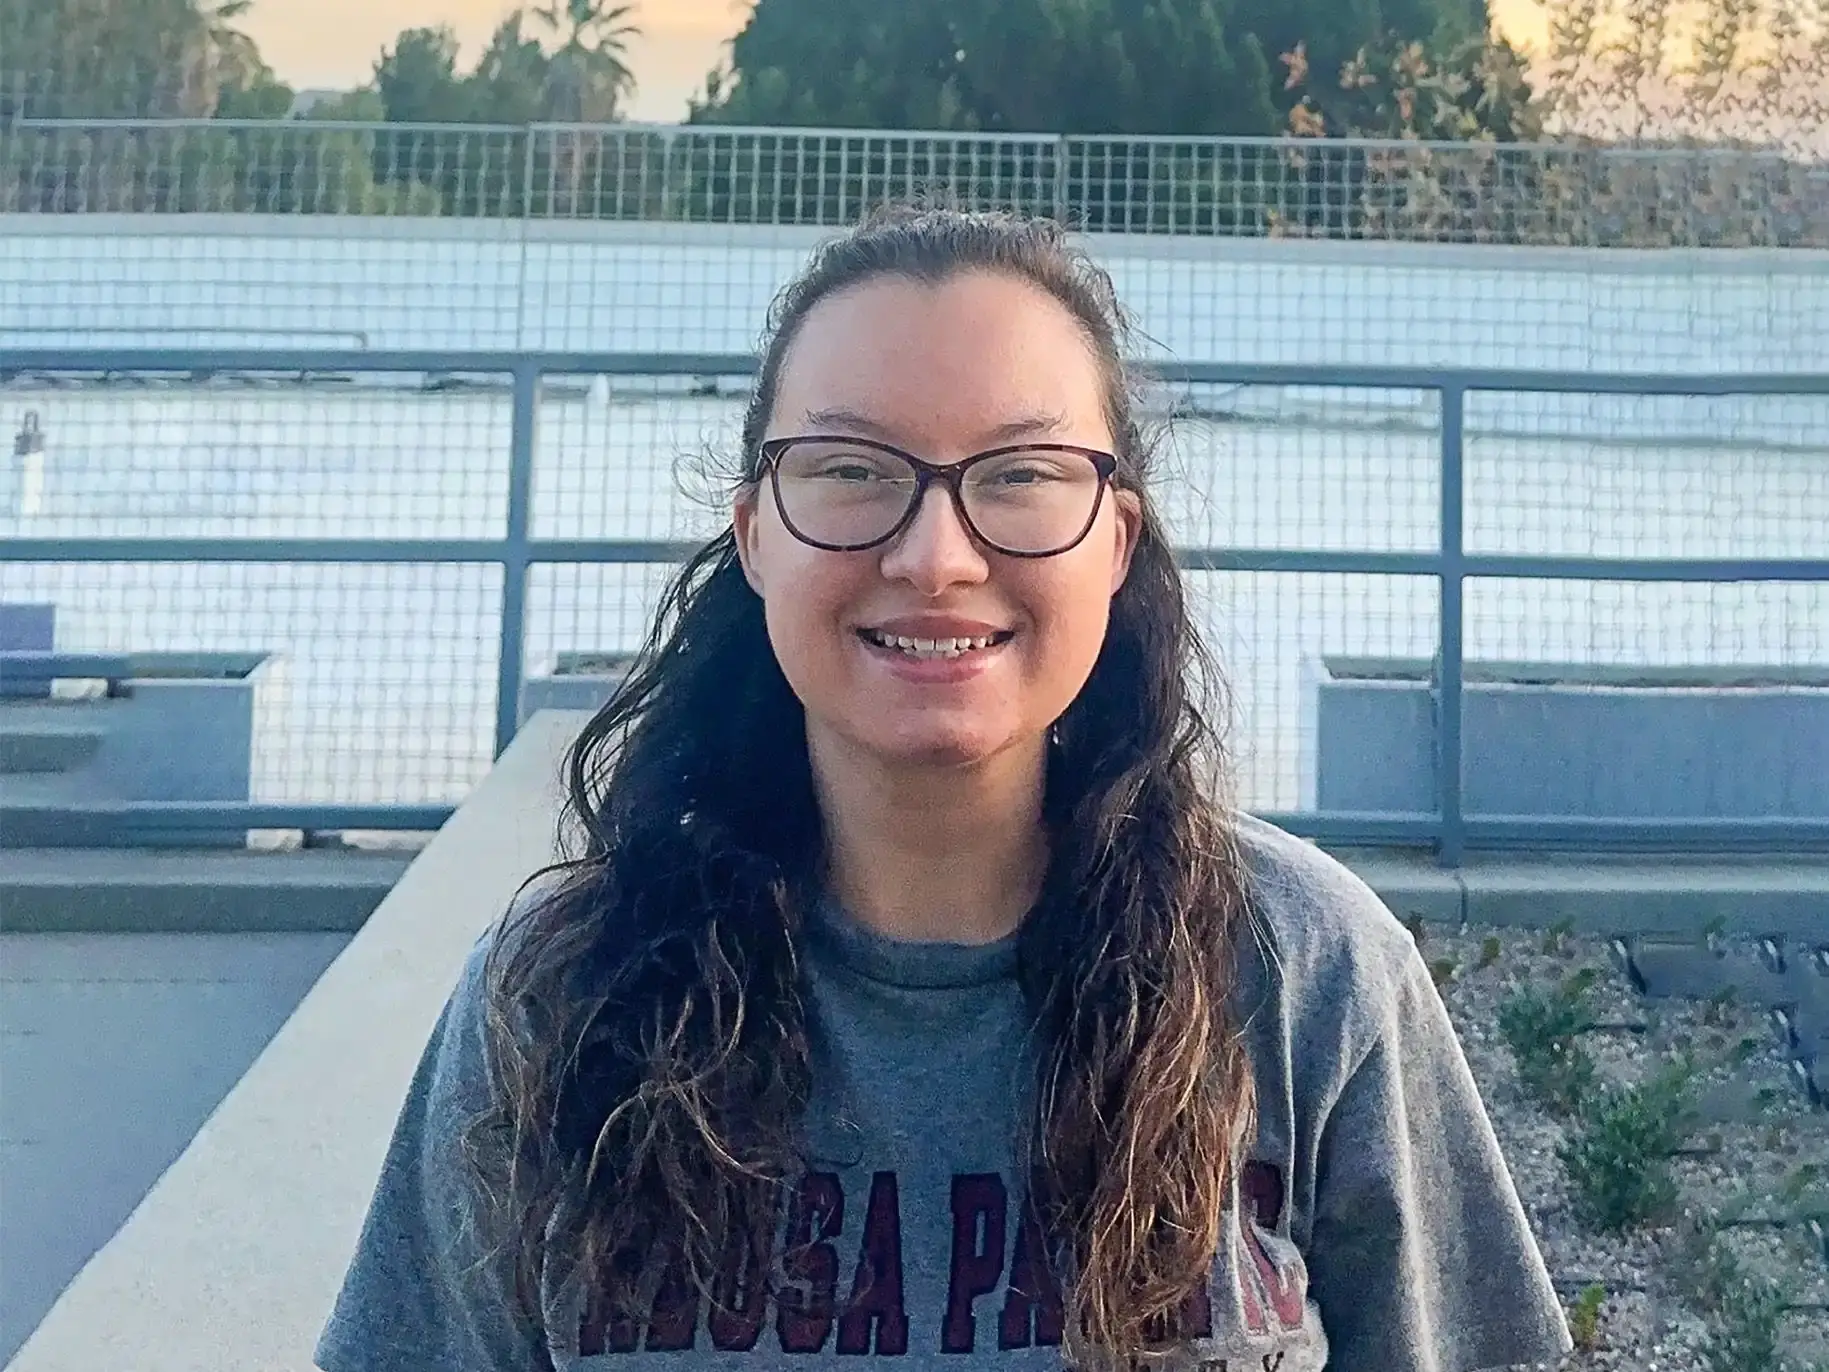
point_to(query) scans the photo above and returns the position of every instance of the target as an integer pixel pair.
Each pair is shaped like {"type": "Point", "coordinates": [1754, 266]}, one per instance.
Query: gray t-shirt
{"type": "Point", "coordinates": [1376, 1228]}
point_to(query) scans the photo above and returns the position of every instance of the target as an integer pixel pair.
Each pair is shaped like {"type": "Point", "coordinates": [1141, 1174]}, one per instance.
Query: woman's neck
{"type": "Point", "coordinates": [946, 854]}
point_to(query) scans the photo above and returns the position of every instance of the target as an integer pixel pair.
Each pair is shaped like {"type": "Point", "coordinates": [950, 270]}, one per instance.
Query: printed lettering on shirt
{"type": "Point", "coordinates": [842, 1290]}
{"type": "Point", "coordinates": [1275, 1295]}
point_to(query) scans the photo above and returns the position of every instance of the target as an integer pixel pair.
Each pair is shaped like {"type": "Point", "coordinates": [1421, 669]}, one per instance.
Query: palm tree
{"type": "Point", "coordinates": [590, 73]}
{"type": "Point", "coordinates": [204, 51]}
{"type": "Point", "coordinates": [236, 58]}
{"type": "Point", "coordinates": [585, 84]}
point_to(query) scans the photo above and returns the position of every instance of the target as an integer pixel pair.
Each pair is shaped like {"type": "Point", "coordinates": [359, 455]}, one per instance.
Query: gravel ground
{"type": "Point", "coordinates": [1758, 1150]}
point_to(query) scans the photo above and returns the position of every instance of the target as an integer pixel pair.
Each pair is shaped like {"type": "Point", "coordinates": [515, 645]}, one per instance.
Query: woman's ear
{"type": "Point", "coordinates": [1129, 528]}
{"type": "Point", "coordinates": [745, 521]}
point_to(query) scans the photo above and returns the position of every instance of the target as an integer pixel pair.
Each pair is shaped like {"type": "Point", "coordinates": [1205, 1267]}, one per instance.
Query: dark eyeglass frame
{"type": "Point", "coordinates": [950, 475]}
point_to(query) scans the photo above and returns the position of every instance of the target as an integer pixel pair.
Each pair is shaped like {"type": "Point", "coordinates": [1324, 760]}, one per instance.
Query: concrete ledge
{"type": "Point", "coordinates": [1414, 885]}
{"type": "Point", "coordinates": [1605, 896]}
{"type": "Point", "coordinates": [137, 891]}
{"type": "Point", "coordinates": [1668, 897]}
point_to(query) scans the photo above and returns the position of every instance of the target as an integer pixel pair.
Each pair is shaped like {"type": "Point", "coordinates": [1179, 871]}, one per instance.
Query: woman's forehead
{"type": "Point", "coordinates": [981, 354]}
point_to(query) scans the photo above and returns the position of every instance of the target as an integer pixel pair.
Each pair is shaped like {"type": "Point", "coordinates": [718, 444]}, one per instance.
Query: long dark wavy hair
{"type": "Point", "coordinates": [647, 1021]}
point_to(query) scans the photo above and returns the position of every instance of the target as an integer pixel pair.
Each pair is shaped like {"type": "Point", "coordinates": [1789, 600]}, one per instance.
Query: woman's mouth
{"type": "Point", "coordinates": [934, 649]}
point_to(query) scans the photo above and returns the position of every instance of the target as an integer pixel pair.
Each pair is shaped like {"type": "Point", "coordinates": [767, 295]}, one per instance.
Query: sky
{"type": "Point", "coordinates": [333, 44]}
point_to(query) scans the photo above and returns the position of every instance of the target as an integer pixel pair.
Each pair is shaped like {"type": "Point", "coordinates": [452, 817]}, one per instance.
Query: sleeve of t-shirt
{"type": "Point", "coordinates": [1422, 1258]}
{"type": "Point", "coordinates": [422, 1293]}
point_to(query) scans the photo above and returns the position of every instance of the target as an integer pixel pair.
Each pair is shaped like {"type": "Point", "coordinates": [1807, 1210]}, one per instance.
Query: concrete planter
{"type": "Point", "coordinates": [572, 681]}
{"type": "Point", "coordinates": [1572, 740]}
{"type": "Point", "coordinates": [27, 628]}
{"type": "Point", "coordinates": [173, 727]}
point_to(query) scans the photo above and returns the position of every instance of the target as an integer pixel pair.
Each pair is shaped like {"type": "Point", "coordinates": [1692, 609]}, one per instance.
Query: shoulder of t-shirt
{"type": "Point", "coordinates": [1332, 948]}
{"type": "Point", "coordinates": [470, 993]}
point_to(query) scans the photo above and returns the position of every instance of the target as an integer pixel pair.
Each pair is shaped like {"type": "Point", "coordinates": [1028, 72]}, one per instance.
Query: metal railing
{"type": "Point", "coordinates": [1524, 194]}
{"type": "Point", "coordinates": [516, 551]}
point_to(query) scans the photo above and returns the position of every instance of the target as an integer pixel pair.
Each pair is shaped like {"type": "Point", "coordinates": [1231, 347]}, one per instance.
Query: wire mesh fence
{"type": "Point", "coordinates": [1338, 189]}
{"type": "Point", "coordinates": [258, 237]}
{"type": "Point", "coordinates": [392, 665]}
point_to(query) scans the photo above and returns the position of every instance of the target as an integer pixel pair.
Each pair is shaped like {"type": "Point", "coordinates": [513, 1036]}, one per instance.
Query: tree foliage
{"type": "Point", "coordinates": [1470, 90]}
{"type": "Point", "coordinates": [170, 59]}
{"type": "Point", "coordinates": [1094, 82]}
{"type": "Point", "coordinates": [124, 59]}
{"type": "Point", "coordinates": [160, 60]}
{"type": "Point", "coordinates": [583, 77]}
{"type": "Point", "coordinates": [1059, 66]}
{"type": "Point", "coordinates": [148, 61]}
{"type": "Point", "coordinates": [1747, 72]}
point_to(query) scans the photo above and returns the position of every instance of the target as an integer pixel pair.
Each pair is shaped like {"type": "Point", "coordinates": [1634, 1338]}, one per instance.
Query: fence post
{"type": "Point", "coordinates": [515, 557]}
{"type": "Point", "coordinates": [1450, 677]}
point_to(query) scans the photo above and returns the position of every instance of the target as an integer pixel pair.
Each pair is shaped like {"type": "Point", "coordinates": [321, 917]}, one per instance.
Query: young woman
{"type": "Point", "coordinates": [917, 996]}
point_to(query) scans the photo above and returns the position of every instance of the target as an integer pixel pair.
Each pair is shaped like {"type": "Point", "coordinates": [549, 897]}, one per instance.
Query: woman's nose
{"type": "Point", "coordinates": [936, 550]}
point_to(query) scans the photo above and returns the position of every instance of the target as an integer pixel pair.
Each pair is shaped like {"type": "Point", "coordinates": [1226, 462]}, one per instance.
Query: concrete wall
{"type": "Point", "coordinates": [1574, 747]}
{"type": "Point", "coordinates": [114, 1049]}
{"type": "Point", "coordinates": [27, 628]}
{"type": "Point", "coordinates": [560, 684]}
{"type": "Point", "coordinates": [339, 281]}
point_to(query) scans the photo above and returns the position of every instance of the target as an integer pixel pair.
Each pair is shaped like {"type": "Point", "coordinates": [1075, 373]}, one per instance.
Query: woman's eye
{"type": "Point", "coordinates": [1021, 476]}
{"type": "Point", "coordinates": [847, 471]}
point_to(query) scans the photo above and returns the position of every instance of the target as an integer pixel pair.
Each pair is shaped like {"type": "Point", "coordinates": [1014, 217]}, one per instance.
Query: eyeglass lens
{"type": "Point", "coordinates": [1032, 501]}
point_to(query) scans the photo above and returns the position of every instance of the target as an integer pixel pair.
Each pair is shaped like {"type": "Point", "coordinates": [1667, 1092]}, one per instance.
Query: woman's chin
{"type": "Point", "coordinates": [930, 746]}
{"type": "Point", "coordinates": [927, 742]}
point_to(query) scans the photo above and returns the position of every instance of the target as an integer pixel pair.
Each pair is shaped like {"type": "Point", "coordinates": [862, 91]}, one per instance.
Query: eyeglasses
{"type": "Point", "coordinates": [848, 494]}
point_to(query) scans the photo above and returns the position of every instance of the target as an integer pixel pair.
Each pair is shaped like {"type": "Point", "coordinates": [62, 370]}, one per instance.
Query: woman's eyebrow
{"type": "Point", "coordinates": [1028, 425]}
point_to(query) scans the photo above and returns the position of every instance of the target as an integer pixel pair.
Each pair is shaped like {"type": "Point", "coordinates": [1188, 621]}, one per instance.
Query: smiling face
{"type": "Point", "coordinates": [944, 372]}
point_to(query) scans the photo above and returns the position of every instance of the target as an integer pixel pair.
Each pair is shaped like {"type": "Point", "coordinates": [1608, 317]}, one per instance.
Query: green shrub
{"type": "Point", "coordinates": [1543, 1033]}
{"type": "Point", "coordinates": [1744, 1332]}
{"type": "Point", "coordinates": [1618, 1157]}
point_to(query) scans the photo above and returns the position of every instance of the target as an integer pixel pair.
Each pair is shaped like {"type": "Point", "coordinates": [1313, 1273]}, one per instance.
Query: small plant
{"type": "Point", "coordinates": [1744, 1311]}
{"type": "Point", "coordinates": [1584, 1316]}
{"type": "Point", "coordinates": [1418, 931]}
{"type": "Point", "coordinates": [1744, 1333]}
{"type": "Point", "coordinates": [1800, 1183]}
{"type": "Point", "coordinates": [1701, 1265]}
{"type": "Point", "coordinates": [1618, 1160]}
{"type": "Point", "coordinates": [1543, 1033]}
{"type": "Point", "coordinates": [1556, 937]}
{"type": "Point", "coordinates": [1718, 1009]}
{"type": "Point", "coordinates": [1489, 952]}
{"type": "Point", "coordinates": [1442, 970]}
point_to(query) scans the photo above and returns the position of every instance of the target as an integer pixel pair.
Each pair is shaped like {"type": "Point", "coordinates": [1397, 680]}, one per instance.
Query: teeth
{"type": "Point", "coordinates": [932, 647]}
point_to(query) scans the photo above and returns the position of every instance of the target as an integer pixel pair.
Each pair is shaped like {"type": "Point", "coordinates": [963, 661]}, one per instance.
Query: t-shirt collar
{"type": "Point", "coordinates": [917, 963]}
